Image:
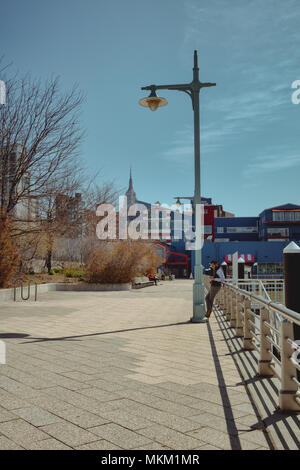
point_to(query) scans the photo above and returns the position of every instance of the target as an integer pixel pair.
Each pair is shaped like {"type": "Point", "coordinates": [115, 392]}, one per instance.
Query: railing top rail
{"type": "Point", "coordinates": [281, 309]}
{"type": "Point", "coordinates": [251, 279]}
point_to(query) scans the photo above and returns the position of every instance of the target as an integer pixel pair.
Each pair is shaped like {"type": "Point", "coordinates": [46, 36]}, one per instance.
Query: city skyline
{"type": "Point", "coordinates": [249, 125]}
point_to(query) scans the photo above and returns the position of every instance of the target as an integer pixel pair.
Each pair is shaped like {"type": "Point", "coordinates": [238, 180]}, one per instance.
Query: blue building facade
{"type": "Point", "coordinates": [259, 240]}
{"type": "Point", "coordinates": [231, 229]}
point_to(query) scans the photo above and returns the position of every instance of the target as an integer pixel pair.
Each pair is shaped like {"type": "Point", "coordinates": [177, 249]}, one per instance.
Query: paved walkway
{"type": "Point", "coordinates": [121, 370]}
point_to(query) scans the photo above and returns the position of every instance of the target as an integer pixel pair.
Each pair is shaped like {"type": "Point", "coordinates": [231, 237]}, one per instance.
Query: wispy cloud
{"type": "Point", "coordinates": [277, 160]}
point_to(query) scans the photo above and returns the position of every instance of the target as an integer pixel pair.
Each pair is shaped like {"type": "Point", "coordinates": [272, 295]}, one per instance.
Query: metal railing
{"type": "Point", "coordinates": [21, 285]}
{"type": "Point", "coordinates": [268, 328]}
{"type": "Point", "coordinates": [270, 289]}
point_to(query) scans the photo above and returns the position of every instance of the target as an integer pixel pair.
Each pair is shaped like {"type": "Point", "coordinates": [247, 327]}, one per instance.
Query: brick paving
{"type": "Point", "coordinates": [121, 370]}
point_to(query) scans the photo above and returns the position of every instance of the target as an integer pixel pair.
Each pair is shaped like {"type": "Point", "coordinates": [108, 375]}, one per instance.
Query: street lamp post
{"type": "Point", "coordinates": [153, 102]}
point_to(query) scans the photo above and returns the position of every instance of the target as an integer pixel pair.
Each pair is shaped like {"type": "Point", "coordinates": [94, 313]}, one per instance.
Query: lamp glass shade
{"type": "Point", "coordinates": [153, 102]}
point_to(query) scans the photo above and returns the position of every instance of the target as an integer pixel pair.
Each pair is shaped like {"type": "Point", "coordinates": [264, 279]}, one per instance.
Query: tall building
{"type": "Point", "coordinates": [15, 189]}
{"type": "Point", "coordinates": [69, 211]}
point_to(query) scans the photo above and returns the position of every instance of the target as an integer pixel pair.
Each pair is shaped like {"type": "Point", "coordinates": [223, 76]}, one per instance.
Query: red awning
{"type": "Point", "coordinates": [248, 258]}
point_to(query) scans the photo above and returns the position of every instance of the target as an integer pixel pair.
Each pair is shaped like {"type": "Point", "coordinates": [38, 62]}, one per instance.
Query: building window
{"type": "Point", "coordinates": [241, 229]}
{"type": "Point", "coordinates": [281, 232]}
{"type": "Point", "coordinates": [286, 216]}
{"type": "Point", "coordinates": [270, 268]}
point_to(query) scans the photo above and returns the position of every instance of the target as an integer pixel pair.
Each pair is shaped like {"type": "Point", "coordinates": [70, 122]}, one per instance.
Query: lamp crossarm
{"type": "Point", "coordinates": [186, 88]}
{"type": "Point", "coordinates": [189, 88]}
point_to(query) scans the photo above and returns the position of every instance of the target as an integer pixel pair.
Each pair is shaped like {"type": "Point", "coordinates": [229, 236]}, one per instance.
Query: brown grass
{"type": "Point", "coordinates": [121, 261]}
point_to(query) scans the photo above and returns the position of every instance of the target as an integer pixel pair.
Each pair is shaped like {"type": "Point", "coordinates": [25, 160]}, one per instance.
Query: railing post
{"type": "Point", "coordinates": [220, 298]}
{"type": "Point", "coordinates": [265, 357]}
{"type": "Point", "coordinates": [228, 303]}
{"type": "Point", "coordinates": [289, 388]}
{"type": "Point", "coordinates": [233, 309]}
{"type": "Point", "coordinates": [239, 319]}
{"type": "Point", "coordinates": [248, 345]}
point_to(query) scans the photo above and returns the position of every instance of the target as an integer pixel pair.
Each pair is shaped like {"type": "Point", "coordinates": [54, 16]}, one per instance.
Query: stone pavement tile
{"type": "Point", "coordinates": [90, 371]}
{"type": "Point", "coordinates": [69, 434]}
{"type": "Point", "coordinates": [154, 446]}
{"type": "Point", "coordinates": [215, 409]}
{"type": "Point", "coordinates": [47, 444]}
{"type": "Point", "coordinates": [122, 405]}
{"type": "Point", "coordinates": [246, 407]}
{"type": "Point", "coordinates": [100, 395]}
{"type": "Point", "coordinates": [36, 416]}
{"type": "Point", "coordinates": [21, 432]}
{"type": "Point", "coordinates": [146, 379]}
{"type": "Point", "coordinates": [6, 415]}
{"type": "Point", "coordinates": [223, 440]}
{"type": "Point", "coordinates": [207, 447]}
{"type": "Point", "coordinates": [218, 423]}
{"type": "Point", "coordinates": [82, 418]}
{"type": "Point", "coordinates": [7, 444]}
{"type": "Point", "coordinates": [98, 445]}
{"type": "Point", "coordinates": [169, 437]}
{"type": "Point", "coordinates": [48, 403]}
{"type": "Point", "coordinates": [159, 403]}
{"type": "Point", "coordinates": [105, 385]}
{"type": "Point", "coordinates": [160, 417]}
{"type": "Point", "coordinates": [77, 375]}
{"type": "Point", "coordinates": [16, 388]}
{"type": "Point", "coordinates": [73, 398]}
{"type": "Point", "coordinates": [126, 419]}
{"type": "Point", "coordinates": [120, 436]}
{"type": "Point", "coordinates": [255, 436]}
{"type": "Point", "coordinates": [250, 422]}
{"type": "Point", "coordinates": [248, 445]}
{"type": "Point", "coordinates": [48, 379]}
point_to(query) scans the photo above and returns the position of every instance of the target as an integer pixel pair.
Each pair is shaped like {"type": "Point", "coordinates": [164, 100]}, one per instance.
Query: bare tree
{"type": "Point", "coordinates": [40, 174]}
{"type": "Point", "coordinates": [39, 137]}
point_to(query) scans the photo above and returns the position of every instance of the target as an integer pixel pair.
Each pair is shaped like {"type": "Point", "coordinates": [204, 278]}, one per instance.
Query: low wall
{"type": "Point", "coordinates": [8, 294]}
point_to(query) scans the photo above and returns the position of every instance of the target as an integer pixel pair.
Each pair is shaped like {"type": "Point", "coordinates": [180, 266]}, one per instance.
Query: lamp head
{"type": "Point", "coordinates": [153, 101]}
{"type": "Point", "coordinates": [178, 203]}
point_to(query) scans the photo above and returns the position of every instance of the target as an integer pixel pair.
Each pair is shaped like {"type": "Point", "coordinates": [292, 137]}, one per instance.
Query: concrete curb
{"type": "Point", "coordinates": [8, 294]}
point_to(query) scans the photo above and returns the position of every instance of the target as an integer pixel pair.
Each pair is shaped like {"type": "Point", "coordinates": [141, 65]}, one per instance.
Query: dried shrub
{"type": "Point", "coordinates": [9, 257]}
{"type": "Point", "coordinates": [121, 261]}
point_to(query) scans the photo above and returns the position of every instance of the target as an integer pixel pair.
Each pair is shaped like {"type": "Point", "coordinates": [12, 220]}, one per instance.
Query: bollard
{"type": "Point", "coordinates": [291, 257]}
{"type": "Point", "coordinates": [241, 268]}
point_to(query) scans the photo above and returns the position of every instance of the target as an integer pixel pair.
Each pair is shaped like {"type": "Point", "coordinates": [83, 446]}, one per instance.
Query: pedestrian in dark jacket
{"type": "Point", "coordinates": [216, 277]}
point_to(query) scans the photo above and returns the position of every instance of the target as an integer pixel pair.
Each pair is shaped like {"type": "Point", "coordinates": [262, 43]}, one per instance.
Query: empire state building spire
{"type": "Point", "coordinates": [131, 196]}
{"type": "Point", "coordinates": [130, 181]}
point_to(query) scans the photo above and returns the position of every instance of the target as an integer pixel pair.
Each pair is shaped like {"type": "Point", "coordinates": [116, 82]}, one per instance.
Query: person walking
{"type": "Point", "coordinates": [216, 277]}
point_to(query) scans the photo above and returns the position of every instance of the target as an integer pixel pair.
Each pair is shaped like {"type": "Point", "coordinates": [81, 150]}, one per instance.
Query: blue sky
{"type": "Point", "coordinates": [250, 139]}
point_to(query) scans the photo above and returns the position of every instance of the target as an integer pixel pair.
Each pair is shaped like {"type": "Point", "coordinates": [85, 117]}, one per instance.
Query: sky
{"type": "Point", "coordinates": [250, 139]}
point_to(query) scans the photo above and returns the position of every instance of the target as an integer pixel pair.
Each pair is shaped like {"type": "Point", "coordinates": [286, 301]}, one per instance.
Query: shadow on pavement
{"type": "Point", "coordinates": [283, 424]}
{"type": "Point", "coordinates": [66, 338]}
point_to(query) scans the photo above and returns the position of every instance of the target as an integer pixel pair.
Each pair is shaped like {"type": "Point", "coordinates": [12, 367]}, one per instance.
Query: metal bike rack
{"type": "Point", "coordinates": [20, 281]}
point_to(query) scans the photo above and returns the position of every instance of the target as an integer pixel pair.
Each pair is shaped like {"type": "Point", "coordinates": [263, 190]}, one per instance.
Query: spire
{"type": "Point", "coordinates": [131, 196]}
{"type": "Point", "coordinates": [130, 180]}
